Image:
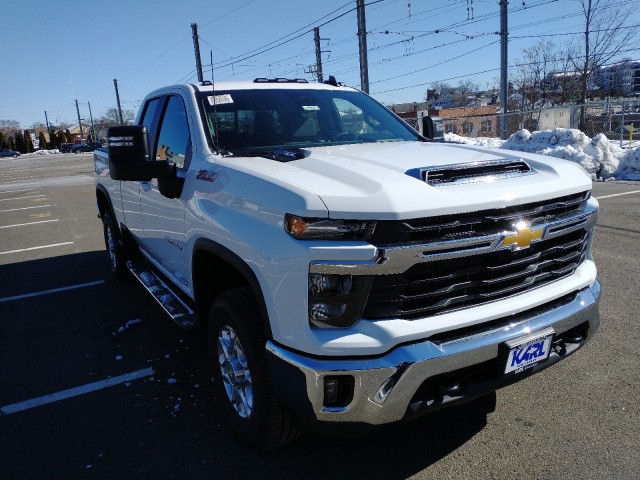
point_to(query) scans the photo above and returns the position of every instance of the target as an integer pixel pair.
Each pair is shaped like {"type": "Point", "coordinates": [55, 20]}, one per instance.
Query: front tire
{"type": "Point", "coordinates": [115, 249]}
{"type": "Point", "coordinates": [236, 345]}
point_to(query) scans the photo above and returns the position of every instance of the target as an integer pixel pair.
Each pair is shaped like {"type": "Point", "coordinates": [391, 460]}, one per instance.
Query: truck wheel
{"type": "Point", "coordinates": [237, 355]}
{"type": "Point", "coordinates": [115, 251]}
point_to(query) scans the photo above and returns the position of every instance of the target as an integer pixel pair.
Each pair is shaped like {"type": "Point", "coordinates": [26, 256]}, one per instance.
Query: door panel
{"type": "Point", "coordinates": [163, 219]}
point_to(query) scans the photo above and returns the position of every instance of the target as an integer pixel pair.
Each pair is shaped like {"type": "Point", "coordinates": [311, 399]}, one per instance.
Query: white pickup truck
{"type": "Point", "coordinates": [345, 269]}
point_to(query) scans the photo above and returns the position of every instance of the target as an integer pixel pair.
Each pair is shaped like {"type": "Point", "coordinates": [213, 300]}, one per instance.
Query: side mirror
{"type": "Point", "coordinates": [433, 128]}
{"type": "Point", "coordinates": [129, 158]}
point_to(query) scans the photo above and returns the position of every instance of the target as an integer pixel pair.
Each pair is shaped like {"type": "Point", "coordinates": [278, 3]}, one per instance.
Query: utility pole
{"type": "Point", "coordinates": [46, 120]}
{"type": "Point", "coordinates": [196, 47]}
{"type": "Point", "coordinates": [93, 128]}
{"type": "Point", "coordinates": [316, 37]}
{"type": "Point", "coordinates": [79, 120]}
{"type": "Point", "coordinates": [504, 84]}
{"type": "Point", "coordinates": [115, 82]}
{"type": "Point", "coordinates": [362, 44]}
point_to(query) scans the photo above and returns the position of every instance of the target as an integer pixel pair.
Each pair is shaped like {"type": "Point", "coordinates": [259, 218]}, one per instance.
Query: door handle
{"type": "Point", "coordinates": [146, 186]}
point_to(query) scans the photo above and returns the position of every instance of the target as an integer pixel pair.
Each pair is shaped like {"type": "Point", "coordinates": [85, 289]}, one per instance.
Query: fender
{"type": "Point", "coordinates": [243, 270]}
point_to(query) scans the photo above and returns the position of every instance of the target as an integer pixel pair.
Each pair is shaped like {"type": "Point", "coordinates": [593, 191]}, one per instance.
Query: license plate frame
{"type": "Point", "coordinates": [523, 353]}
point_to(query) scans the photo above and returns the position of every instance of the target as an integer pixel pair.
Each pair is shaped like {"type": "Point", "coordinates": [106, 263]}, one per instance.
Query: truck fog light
{"type": "Point", "coordinates": [338, 390]}
{"type": "Point", "coordinates": [336, 301]}
{"type": "Point", "coordinates": [340, 284]}
{"type": "Point", "coordinates": [325, 312]}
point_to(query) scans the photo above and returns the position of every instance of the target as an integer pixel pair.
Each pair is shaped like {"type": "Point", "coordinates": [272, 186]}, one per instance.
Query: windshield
{"type": "Point", "coordinates": [246, 122]}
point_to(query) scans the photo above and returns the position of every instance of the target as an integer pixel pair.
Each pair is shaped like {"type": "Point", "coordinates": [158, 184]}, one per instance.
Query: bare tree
{"type": "Point", "coordinates": [606, 33]}
{"type": "Point", "coordinates": [458, 93]}
{"type": "Point", "coordinates": [111, 118]}
{"type": "Point", "coordinates": [9, 125]}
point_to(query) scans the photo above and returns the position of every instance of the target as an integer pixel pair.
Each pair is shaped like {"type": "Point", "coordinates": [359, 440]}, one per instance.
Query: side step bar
{"type": "Point", "coordinates": [168, 300]}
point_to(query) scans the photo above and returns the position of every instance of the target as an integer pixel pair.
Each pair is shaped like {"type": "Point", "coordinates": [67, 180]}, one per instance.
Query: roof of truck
{"type": "Point", "coordinates": [266, 84]}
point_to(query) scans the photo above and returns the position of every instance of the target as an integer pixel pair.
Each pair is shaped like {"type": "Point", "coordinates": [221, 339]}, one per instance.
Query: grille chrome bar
{"type": "Point", "coordinates": [397, 259]}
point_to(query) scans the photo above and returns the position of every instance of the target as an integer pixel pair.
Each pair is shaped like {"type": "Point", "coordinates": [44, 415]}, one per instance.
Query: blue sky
{"type": "Point", "coordinates": [54, 52]}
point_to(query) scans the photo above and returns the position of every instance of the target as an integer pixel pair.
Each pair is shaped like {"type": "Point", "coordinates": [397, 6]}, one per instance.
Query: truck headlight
{"type": "Point", "coordinates": [326, 229]}
{"type": "Point", "coordinates": [337, 301]}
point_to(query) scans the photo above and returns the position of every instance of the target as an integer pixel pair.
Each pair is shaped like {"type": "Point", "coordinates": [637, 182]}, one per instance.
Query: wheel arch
{"type": "Point", "coordinates": [216, 269]}
{"type": "Point", "coordinates": [103, 199]}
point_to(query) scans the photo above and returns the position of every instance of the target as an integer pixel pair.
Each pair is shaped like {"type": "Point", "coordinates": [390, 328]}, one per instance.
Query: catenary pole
{"type": "Point", "coordinates": [196, 47]}
{"type": "Point", "coordinates": [115, 83]}
{"type": "Point", "coordinates": [504, 85]}
{"type": "Point", "coordinates": [316, 37]}
{"type": "Point", "coordinates": [79, 120]}
{"type": "Point", "coordinates": [362, 45]}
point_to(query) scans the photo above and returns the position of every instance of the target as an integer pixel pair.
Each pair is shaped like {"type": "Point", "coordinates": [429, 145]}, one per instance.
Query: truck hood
{"type": "Point", "coordinates": [379, 181]}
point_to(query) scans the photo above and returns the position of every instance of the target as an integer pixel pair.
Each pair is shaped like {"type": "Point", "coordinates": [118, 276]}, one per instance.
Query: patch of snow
{"type": "Point", "coordinates": [128, 325]}
{"type": "Point", "coordinates": [119, 358]}
{"type": "Point", "coordinates": [569, 144]}
{"type": "Point", "coordinates": [172, 380]}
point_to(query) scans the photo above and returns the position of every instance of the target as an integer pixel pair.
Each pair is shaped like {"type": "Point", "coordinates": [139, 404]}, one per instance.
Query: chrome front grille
{"type": "Point", "coordinates": [478, 224]}
{"type": "Point", "coordinates": [441, 286]}
{"type": "Point", "coordinates": [430, 266]}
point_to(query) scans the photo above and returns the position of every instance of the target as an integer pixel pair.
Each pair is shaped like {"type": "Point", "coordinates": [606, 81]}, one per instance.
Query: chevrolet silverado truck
{"type": "Point", "coordinates": [346, 270]}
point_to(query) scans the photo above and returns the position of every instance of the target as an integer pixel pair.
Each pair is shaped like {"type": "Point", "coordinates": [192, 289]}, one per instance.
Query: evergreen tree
{"type": "Point", "coordinates": [68, 137]}
{"type": "Point", "coordinates": [10, 144]}
{"type": "Point", "coordinates": [43, 141]}
{"type": "Point", "coordinates": [18, 138]}
{"type": "Point", "coordinates": [3, 142]}
{"type": "Point", "coordinates": [28, 142]}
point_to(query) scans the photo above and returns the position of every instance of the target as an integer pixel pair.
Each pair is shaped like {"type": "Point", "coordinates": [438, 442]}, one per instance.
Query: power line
{"type": "Point", "coordinates": [492, 70]}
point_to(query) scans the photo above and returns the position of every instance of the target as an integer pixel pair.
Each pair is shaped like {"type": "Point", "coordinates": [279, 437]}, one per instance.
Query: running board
{"type": "Point", "coordinates": [168, 300]}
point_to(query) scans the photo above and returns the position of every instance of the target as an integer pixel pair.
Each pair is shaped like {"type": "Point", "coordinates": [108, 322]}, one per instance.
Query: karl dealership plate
{"type": "Point", "coordinates": [525, 352]}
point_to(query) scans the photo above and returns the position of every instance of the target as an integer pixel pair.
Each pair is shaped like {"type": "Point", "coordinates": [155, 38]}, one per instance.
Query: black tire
{"type": "Point", "coordinates": [259, 419]}
{"type": "Point", "coordinates": [116, 252]}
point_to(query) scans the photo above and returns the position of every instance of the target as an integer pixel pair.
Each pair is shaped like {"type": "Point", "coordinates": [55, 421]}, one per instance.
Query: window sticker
{"type": "Point", "coordinates": [220, 99]}
{"type": "Point", "coordinates": [310, 108]}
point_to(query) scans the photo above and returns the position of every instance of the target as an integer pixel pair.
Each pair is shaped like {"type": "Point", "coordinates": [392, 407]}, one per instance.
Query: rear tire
{"type": "Point", "coordinates": [236, 345]}
{"type": "Point", "coordinates": [115, 249]}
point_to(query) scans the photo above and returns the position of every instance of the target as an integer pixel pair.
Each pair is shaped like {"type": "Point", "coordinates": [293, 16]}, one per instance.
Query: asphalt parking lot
{"type": "Point", "coordinates": [95, 382]}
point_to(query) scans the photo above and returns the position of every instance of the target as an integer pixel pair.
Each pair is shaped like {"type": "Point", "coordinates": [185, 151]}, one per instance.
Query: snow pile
{"type": "Point", "coordinates": [572, 145]}
{"type": "Point", "coordinates": [630, 166]}
{"type": "Point", "coordinates": [53, 151]}
{"type": "Point", "coordinates": [480, 141]}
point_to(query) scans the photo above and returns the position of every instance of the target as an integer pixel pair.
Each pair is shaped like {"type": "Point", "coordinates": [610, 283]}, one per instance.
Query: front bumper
{"type": "Point", "coordinates": [420, 377]}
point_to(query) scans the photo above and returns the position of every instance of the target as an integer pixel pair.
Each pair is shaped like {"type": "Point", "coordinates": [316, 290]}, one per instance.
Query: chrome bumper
{"type": "Point", "coordinates": [385, 386]}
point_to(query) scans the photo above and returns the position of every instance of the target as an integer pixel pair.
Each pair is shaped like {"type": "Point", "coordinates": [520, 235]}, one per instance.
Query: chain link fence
{"type": "Point", "coordinates": [619, 120]}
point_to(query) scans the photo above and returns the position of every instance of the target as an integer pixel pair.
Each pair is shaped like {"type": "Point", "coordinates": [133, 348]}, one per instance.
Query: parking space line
{"type": "Point", "coordinates": [617, 194]}
{"type": "Point", "coordinates": [76, 391]}
{"type": "Point", "coordinates": [36, 248]}
{"type": "Point", "coordinates": [21, 190]}
{"type": "Point", "coordinates": [53, 290]}
{"type": "Point", "coordinates": [20, 198]}
{"type": "Point", "coordinates": [30, 223]}
{"type": "Point", "coordinates": [24, 208]}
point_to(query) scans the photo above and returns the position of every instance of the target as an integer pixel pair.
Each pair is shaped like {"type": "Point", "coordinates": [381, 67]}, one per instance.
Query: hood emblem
{"type": "Point", "coordinates": [523, 238]}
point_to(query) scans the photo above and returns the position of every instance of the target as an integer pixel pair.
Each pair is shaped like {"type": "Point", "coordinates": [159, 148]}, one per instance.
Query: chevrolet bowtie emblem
{"type": "Point", "coordinates": [523, 238]}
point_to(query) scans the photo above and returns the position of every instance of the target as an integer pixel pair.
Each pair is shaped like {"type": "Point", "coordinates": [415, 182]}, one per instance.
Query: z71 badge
{"type": "Point", "coordinates": [207, 176]}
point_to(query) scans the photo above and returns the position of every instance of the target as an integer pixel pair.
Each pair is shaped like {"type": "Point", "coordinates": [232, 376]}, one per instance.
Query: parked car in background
{"type": "Point", "coordinates": [85, 147]}
{"type": "Point", "coordinates": [66, 147]}
{"type": "Point", "coordinates": [5, 152]}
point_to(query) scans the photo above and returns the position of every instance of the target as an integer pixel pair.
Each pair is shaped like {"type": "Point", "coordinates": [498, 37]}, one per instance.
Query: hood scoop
{"type": "Point", "coordinates": [476, 172]}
